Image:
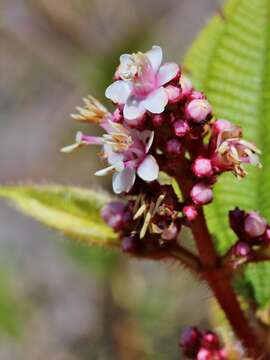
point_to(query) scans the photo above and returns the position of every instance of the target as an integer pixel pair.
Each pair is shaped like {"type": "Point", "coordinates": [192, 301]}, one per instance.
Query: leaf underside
{"type": "Point", "coordinates": [73, 211]}
{"type": "Point", "coordinates": [230, 62]}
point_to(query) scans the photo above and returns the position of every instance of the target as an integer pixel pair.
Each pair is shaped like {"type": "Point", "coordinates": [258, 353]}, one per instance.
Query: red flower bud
{"type": "Point", "coordinates": [190, 212]}
{"type": "Point", "coordinates": [201, 194]}
{"type": "Point", "coordinates": [198, 110]}
{"type": "Point", "coordinates": [157, 120]}
{"type": "Point", "coordinates": [186, 85]}
{"type": "Point", "coordinates": [202, 167]}
{"type": "Point", "coordinates": [174, 147]}
{"type": "Point", "coordinates": [173, 93]}
{"type": "Point", "coordinates": [210, 340]}
{"type": "Point", "coordinates": [254, 224]}
{"type": "Point", "coordinates": [181, 128]}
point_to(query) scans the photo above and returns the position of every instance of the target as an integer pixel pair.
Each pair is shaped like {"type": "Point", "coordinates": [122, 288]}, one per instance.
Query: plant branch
{"type": "Point", "coordinates": [219, 279]}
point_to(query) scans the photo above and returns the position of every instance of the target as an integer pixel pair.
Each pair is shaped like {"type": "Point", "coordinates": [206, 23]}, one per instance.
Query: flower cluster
{"type": "Point", "coordinates": [160, 123]}
{"type": "Point", "coordinates": [199, 345]}
{"type": "Point", "coordinates": [252, 232]}
{"type": "Point", "coordinates": [149, 221]}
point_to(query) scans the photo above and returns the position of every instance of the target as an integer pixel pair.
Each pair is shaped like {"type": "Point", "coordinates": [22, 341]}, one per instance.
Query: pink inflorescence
{"type": "Point", "coordinates": [160, 123]}
{"type": "Point", "coordinates": [199, 345]}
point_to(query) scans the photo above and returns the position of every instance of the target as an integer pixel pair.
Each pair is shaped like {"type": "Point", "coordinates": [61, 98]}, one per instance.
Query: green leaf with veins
{"type": "Point", "coordinates": [230, 62]}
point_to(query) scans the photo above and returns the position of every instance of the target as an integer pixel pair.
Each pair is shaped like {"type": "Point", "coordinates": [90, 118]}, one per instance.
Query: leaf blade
{"type": "Point", "coordinates": [73, 211]}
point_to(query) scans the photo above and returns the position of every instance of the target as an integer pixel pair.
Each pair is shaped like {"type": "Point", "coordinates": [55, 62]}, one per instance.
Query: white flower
{"type": "Point", "coordinates": [140, 87]}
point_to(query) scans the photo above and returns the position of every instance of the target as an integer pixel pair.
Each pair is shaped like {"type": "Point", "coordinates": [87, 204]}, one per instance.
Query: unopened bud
{"type": "Point", "coordinates": [198, 110]}
{"type": "Point", "coordinates": [202, 167]}
{"type": "Point", "coordinates": [196, 95]}
{"type": "Point", "coordinates": [201, 194]}
{"type": "Point", "coordinates": [157, 120]}
{"type": "Point", "coordinates": [116, 215]}
{"type": "Point", "coordinates": [190, 341]}
{"type": "Point", "coordinates": [236, 218]}
{"type": "Point", "coordinates": [221, 125]}
{"type": "Point", "coordinates": [181, 128]}
{"type": "Point", "coordinates": [254, 225]}
{"type": "Point", "coordinates": [129, 244]}
{"type": "Point", "coordinates": [210, 340]}
{"type": "Point", "coordinates": [174, 147]}
{"type": "Point", "coordinates": [186, 85]}
{"type": "Point", "coordinates": [242, 249]}
{"type": "Point", "coordinates": [173, 93]}
{"type": "Point", "coordinates": [190, 212]}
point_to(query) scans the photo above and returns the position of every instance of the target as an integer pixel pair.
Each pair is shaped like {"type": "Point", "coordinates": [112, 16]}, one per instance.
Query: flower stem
{"type": "Point", "coordinates": [219, 280]}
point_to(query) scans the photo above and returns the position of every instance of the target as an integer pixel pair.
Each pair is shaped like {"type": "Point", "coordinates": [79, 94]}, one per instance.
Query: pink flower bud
{"type": "Point", "coordinates": [221, 125]}
{"type": "Point", "coordinates": [242, 249]}
{"type": "Point", "coordinates": [181, 128]}
{"type": "Point", "coordinates": [198, 110]}
{"type": "Point", "coordinates": [190, 212]}
{"type": "Point", "coordinates": [205, 354]}
{"type": "Point", "coordinates": [186, 85]}
{"type": "Point", "coordinates": [173, 93]}
{"type": "Point", "coordinates": [210, 340]}
{"type": "Point", "coordinates": [196, 95]}
{"type": "Point", "coordinates": [255, 225]}
{"type": "Point", "coordinates": [201, 194]}
{"type": "Point", "coordinates": [202, 167]}
{"type": "Point", "coordinates": [174, 147]}
{"type": "Point", "coordinates": [116, 215]}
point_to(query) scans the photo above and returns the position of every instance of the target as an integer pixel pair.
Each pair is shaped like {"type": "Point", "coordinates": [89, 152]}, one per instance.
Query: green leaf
{"type": "Point", "coordinates": [71, 210]}
{"type": "Point", "coordinates": [230, 62]}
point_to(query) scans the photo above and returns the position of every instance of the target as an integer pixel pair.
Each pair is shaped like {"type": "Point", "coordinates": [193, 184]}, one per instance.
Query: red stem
{"type": "Point", "coordinates": [219, 280]}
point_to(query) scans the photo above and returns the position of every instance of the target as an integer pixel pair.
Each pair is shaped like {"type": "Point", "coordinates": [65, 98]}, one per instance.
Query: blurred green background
{"type": "Point", "coordinates": [59, 300]}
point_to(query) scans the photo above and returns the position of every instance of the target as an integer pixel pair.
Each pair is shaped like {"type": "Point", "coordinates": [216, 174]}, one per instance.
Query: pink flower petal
{"type": "Point", "coordinates": [166, 73]}
{"type": "Point", "coordinates": [133, 109]}
{"type": "Point", "coordinates": [112, 156]}
{"type": "Point", "coordinates": [119, 91]}
{"type": "Point", "coordinates": [156, 101]}
{"type": "Point", "coordinates": [124, 180]}
{"type": "Point", "coordinates": [148, 169]}
{"type": "Point", "coordinates": [155, 57]}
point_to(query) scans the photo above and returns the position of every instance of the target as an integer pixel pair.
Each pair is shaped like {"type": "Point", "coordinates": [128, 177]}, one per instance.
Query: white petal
{"type": "Point", "coordinates": [155, 57]}
{"type": "Point", "coordinates": [147, 137]}
{"type": "Point", "coordinates": [166, 73]}
{"type": "Point", "coordinates": [156, 101]}
{"type": "Point", "coordinates": [119, 91]}
{"type": "Point", "coordinates": [123, 181]}
{"type": "Point", "coordinates": [133, 109]}
{"type": "Point", "coordinates": [148, 169]}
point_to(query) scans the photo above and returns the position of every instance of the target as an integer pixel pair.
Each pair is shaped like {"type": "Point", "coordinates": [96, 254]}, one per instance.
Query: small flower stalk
{"type": "Point", "coordinates": [161, 124]}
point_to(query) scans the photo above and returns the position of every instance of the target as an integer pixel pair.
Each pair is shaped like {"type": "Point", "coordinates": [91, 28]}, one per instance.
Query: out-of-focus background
{"type": "Point", "coordinates": [60, 301]}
